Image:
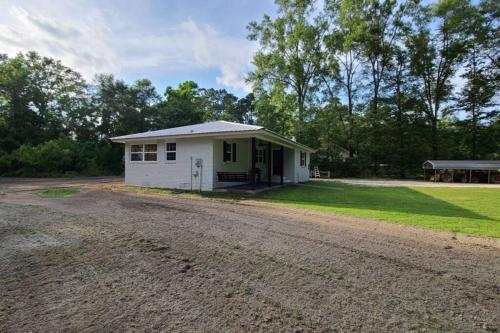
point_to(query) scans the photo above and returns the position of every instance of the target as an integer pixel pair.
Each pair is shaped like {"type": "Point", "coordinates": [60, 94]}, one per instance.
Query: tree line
{"type": "Point", "coordinates": [377, 86]}
{"type": "Point", "coordinates": [53, 122]}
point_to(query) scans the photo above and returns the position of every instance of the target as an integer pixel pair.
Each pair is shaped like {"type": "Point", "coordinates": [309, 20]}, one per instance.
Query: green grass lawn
{"type": "Point", "coordinates": [59, 192]}
{"type": "Point", "coordinates": [474, 211]}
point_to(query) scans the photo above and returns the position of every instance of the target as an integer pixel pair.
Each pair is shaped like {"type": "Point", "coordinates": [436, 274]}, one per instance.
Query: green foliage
{"type": "Point", "coordinates": [465, 210]}
{"type": "Point", "coordinates": [290, 57]}
{"type": "Point", "coordinates": [59, 192]}
{"type": "Point", "coordinates": [382, 95]}
{"type": "Point", "coordinates": [370, 83]}
{"type": "Point", "coordinates": [62, 157]}
{"type": "Point", "coordinates": [53, 123]}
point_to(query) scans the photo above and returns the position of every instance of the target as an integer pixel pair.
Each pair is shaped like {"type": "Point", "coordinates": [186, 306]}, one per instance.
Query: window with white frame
{"type": "Point", "coordinates": [171, 149]}
{"type": "Point", "coordinates": [260, 156]}
{"type": "Point", "coordinates": [143, 152]}
{"type": "Point", "coordinates": [303, 159]}
{"type": "Point", "coordinates": [150, 152]}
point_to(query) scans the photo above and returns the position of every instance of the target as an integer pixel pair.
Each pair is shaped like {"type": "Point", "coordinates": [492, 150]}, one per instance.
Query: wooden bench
{"type": "Point", "coordinates": [232, 176]}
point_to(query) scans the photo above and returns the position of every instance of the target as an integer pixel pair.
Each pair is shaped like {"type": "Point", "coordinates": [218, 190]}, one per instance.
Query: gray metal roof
{"type": "Point", "coordinates": [210, 128]}
{"type": "Point", "coordinates": [461, 165]}
{"type": "Point", "coordinates": [205, 128]}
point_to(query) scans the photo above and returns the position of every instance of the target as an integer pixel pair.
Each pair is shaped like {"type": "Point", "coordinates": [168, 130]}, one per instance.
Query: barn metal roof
{"type": "Point", "coordinates": [209, 128]}
{"type": "Point", "coordinates": [461, 165]}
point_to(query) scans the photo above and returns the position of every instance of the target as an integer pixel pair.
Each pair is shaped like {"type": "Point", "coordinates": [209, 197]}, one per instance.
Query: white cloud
{"type": "Point", "coordinates": [99, 42]}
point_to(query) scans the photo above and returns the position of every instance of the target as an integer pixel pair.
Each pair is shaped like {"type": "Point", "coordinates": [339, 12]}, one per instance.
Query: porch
{"type": "Point", "coordinates": [251, 164]}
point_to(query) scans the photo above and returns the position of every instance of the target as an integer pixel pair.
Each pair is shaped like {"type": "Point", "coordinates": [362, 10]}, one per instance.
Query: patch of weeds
{"type": "Point", "coordinates": [59, 192]}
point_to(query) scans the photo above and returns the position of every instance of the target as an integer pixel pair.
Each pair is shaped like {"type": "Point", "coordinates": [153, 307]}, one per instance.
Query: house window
{"type": "Point", "coordinates": [150, 152]}
{"type": "Point", "coordinates": [303, 159]}
{"type": "Point", "coordinates": [147, 152]}
{"type": "Point", "coordinates": [260, 156]}
{"type": "Point", "coordinates": [171, 151]}
{"type": "Point", "coordinates": [136, 153]}
{"type": "Point", "coordinates": [229, 152]}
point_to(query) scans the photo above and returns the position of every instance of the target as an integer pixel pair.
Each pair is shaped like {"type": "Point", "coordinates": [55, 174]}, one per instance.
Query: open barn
{"type": "Point", "coordinates": [465, 171]}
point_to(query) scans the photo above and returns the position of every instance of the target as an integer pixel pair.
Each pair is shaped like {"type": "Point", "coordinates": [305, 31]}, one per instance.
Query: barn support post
{"type": "Point", "coordinates": [470, 176]}
{"type": "Point", "coordinates": [269, 163]}
{"type": "Point", "coordinates": [435, 175]}
{"type": "Point", "coordinates": [424, 174]}
{"type": "Point", "coordinates": [452, 175]}
{"type": "Point", "coordinates": [489, 171]}
{"type": "Point", "coordinates": [253, 163]}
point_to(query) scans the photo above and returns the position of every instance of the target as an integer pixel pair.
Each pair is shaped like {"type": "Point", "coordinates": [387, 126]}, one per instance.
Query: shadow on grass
{"type": "Point", "coordinates": [390, 199]}
{"type": "Point", "coordinates": [401, 200]}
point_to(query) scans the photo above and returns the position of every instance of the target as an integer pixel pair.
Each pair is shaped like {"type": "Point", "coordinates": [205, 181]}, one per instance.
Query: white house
{"type": "Point", "coordinates": [213, 155]}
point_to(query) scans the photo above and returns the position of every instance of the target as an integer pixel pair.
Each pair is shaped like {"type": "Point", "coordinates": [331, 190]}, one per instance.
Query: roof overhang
{"type": "Point", "coordinates": [262, 134]}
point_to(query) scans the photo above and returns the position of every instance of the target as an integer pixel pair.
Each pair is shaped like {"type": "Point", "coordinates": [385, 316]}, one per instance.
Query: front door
{"type": "Point", "coordinates": [277, 162]}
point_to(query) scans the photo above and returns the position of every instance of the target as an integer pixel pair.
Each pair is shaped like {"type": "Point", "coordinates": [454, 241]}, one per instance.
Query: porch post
{"type": "Point", "coordinates": [282, 165]}
{"type": "Point", "coordinates": [253, 163]}
{"type": "Point", "coordinates": [269, 163]}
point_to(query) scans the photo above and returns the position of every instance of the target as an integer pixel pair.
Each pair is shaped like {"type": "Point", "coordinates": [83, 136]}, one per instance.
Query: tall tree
{"type": "Point", "coordinates": [180, 107]}
{"type": "Point", "coordinates": [437, 48]}
{"type": "Point", "coordinates": [246, 107]}
{"type": "Point", "coordinates": [290, 53]}
{"type": "Point", "coordinates": [274, 110]}
{"type": "Point", "coordinates": [340, 67]}
{"type": "Point", "coordinates": [404, 105]}
{"type": "Point", "coordinates": [376, 27]}
{"type": "Point", "coordinates": [481, 75]}
{"type": "Point", "coordinates": [36, 93]}
{"type": "Point", "coordinates": [476, 97]}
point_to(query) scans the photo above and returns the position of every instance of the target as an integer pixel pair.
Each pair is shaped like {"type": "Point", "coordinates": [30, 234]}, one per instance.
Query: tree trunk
{"type": "Point", "coordinates": [350, 132]}
{"type": "Point", "coordinates": [435, 141]}
{"type": "Point", "coordinates": [300, 128]}
{"type": "Point", "coordinates": [399, 108]}
{"type": "Point", "coordinates": [474, 132]}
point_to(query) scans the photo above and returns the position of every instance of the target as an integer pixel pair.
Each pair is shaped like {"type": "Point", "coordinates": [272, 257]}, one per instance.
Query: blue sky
{"type": "Point", "coordinates": [165, 41]}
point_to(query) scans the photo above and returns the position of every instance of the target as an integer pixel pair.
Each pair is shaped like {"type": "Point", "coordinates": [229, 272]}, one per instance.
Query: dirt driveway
{"type": "Point", "coordinates": [107, 260]}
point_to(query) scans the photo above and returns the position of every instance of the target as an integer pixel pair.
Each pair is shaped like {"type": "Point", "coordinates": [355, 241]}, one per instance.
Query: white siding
{"type": "Point", "coordinates": [177, 175]}
{"type": "Point", "coordinates": [169, 174]}
{"type": "Point", "coordinates": [301, 172]}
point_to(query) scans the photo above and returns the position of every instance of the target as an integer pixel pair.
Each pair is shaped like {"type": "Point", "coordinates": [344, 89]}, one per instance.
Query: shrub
{"type": "Point", "coordinates": [63, 157]}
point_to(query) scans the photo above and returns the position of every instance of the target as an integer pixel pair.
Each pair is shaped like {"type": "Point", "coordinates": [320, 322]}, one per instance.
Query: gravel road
{"type": "Point", "coordinates": [109, 260]}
